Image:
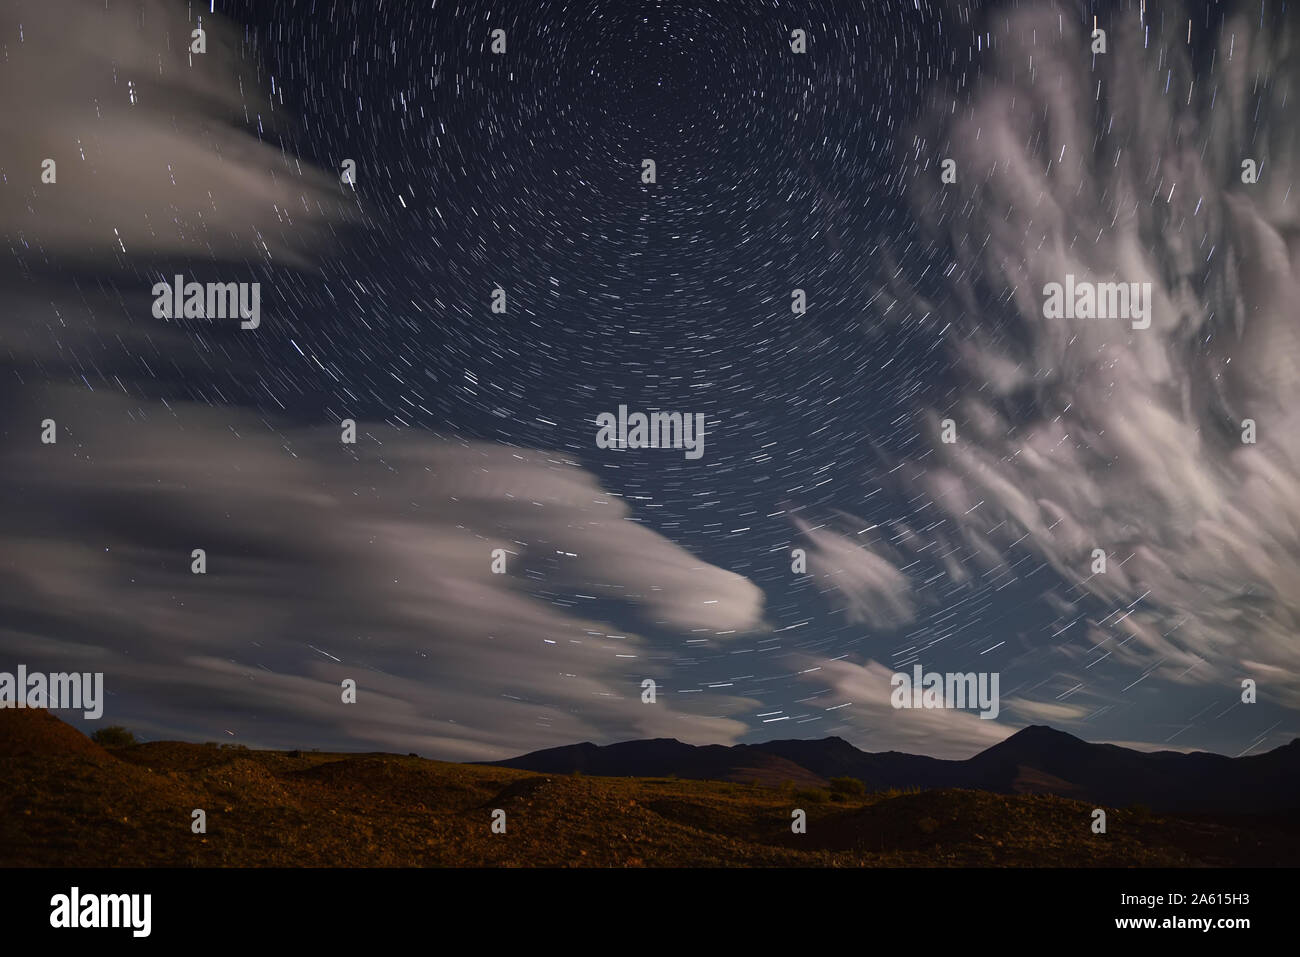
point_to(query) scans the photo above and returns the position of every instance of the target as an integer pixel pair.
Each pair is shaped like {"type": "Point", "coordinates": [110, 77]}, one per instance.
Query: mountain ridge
{"type": "Point", "coordinates": [1036, 759]}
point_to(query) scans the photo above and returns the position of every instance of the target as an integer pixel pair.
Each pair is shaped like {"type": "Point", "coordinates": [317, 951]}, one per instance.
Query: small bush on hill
{"type": "Point", "coordinates": [113, 737]}
{"type": "Point", "coordinates": [811, 795]}
{"type": "Point", "coordinates": [850, 787]}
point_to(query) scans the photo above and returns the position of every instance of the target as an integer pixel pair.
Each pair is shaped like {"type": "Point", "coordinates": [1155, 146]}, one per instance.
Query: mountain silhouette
{"type": "Point", "coordinates": [1035, 760]}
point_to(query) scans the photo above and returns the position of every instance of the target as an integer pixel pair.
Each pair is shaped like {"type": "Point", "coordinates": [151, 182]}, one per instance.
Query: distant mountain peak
{"type": "Point", "coordinates": [1044, 731]}
{"type": "Point", "coordinates": [1035, 740]}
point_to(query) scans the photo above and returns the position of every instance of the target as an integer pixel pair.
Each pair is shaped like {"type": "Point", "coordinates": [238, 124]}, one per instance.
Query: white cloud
{"type": "Point", "coordinates": [373, 562]}
{"type": "Point", "coordinates": [879, 726]}
{"type": "Point", "coordinates": [144, 134]}
{"type": "Point", "coordinates": [872, 589]}
{"type": "Point", "coordinates": [1083, 434]}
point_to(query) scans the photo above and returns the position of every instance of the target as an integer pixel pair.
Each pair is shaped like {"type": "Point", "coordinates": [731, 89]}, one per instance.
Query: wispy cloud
{"type": "Point", "coordinates": [151, 143]}
{"type": "Point", "coordinates": [1084, 434]}
{"type": "Point", "coordinates": [860, 694]}
{"type": "Point", "coordinates": [327, 561]}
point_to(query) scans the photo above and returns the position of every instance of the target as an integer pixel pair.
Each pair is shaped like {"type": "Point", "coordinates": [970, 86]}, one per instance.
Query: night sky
{"type": "Point", "coordinates": [775, 171]}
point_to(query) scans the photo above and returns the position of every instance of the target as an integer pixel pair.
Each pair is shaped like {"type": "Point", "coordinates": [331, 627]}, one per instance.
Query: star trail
{"type": "Point", "coordinates": [496, 270]}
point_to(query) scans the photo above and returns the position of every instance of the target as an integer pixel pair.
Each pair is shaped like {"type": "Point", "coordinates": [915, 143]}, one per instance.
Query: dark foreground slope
{"type": "Point", "coordinates": [64, 801]}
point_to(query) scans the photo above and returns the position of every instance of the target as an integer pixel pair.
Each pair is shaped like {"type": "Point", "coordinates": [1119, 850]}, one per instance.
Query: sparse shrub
{"type": "Point", "coordinates": [890, 793]}
{"type": "Point", "coordinates": [115, 736]}
{"type": "Point", "coordinates": [811, 795]}
{"type": "Point", "coordinates": [849, 787]}
{"type": "Point", "coordinates": [927, 825]}
{"type": "Point", "coordinates": [234, 746]}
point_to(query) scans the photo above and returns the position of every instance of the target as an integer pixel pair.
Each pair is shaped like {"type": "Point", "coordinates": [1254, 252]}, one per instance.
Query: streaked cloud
{"type": "Point", "coordinates": [327, 561]}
